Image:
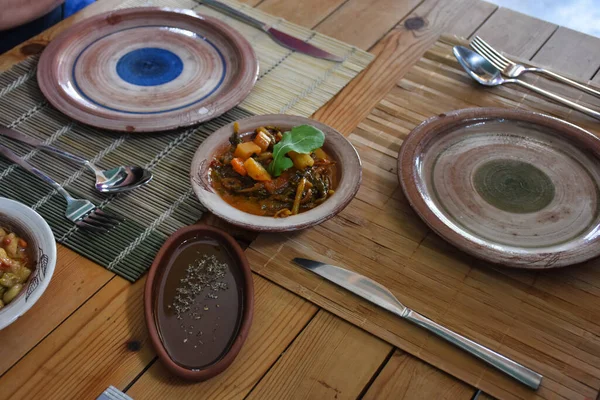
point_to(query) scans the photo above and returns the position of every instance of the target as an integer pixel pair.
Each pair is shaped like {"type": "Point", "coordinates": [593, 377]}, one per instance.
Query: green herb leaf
{"type": "Point", "coordinates": [301, 139]}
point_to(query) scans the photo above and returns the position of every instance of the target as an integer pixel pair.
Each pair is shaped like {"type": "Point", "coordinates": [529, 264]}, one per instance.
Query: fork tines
{"type": "Point", "coordinates": [99, 221]}
{"type": "Point", "coordinates": [487, 51]}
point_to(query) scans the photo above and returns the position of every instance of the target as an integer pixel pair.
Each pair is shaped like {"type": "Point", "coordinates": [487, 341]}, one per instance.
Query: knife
{"type": "Point", "coordinates": [282, 38]}
{"type": "Point", "coordinates": [379, 295]}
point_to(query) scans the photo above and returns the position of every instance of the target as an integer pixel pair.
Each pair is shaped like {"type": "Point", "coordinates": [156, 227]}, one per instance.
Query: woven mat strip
{"type": "Point", "coordinates": [288, 83]}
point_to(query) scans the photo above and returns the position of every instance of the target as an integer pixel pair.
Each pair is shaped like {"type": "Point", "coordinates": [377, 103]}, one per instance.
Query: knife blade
{"type": "Point", "coordinates": [301, 46]}
{"type": "Point", "coordinates": [280, 37]}
{"type": "Point", "coordinates": [379, 295]}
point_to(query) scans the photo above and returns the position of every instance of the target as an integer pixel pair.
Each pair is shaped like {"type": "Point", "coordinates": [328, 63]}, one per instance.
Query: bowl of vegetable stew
{"type": "Point", "coordinates": [27, 259]}
{"type": "Point", "coordinates": [275, 173]}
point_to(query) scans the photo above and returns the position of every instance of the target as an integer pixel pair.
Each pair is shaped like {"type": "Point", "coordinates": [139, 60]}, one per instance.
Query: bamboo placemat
{"type": "Point", "coordinates": [288, 83]}
{"type": "Point", "coordinates": [548, 321]}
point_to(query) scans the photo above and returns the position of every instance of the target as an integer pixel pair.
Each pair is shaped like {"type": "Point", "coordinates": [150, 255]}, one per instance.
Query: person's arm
{"type": "Point", "coordinates": [19, 12]}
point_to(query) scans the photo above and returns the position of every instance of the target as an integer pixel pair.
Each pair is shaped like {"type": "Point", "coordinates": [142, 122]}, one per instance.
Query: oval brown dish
{"type": "Point", "coordinates": [198, 302]}
{"type": "Point", "coordinates": [509, 186]}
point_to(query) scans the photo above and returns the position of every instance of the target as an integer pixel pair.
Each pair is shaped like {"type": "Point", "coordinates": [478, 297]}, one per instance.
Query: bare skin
{"type": "Point", "coordinates": [19, 12]}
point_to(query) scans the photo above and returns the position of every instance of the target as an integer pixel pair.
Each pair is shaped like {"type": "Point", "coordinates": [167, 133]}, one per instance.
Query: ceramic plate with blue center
{"type": "Point", "coordinates": [147, 69]}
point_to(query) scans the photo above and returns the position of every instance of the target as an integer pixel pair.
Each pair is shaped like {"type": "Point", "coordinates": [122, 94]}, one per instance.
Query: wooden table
{"type": "Point", "coordinates": [88, 332]}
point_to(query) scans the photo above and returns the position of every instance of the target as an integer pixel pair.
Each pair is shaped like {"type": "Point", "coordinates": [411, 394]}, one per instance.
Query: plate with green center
{"type": "Point", "coordinates": [508, 186]}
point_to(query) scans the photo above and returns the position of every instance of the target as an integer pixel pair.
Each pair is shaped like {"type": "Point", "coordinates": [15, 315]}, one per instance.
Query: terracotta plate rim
{"type": "Point", "coordinates": [47, 79]}
{"type": "Point", "coordinates": [241, 262]}
{"type": "Point", "coordinates": [351, 178]}
{"type": "Point", "coordinates": [408, 177]}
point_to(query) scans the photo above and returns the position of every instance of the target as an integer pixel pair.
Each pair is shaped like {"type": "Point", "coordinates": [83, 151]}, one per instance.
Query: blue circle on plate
{"type": "Point", "coordinates": [149, 66]}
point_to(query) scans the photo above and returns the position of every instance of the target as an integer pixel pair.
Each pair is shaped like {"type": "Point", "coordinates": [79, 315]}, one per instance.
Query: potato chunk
{"type": "Point", "coordinates": [9, 279]}
{"type": "Point", "coordinates": [12, 293]}
{"type": "Point", "coordinates": [301, 161]}
{"type": "Point", "coordinates": [256, 171]}
{"type": "Point", "coordinates": [246, 150]}
{"type": "Point", "coordinates": [262, 140]}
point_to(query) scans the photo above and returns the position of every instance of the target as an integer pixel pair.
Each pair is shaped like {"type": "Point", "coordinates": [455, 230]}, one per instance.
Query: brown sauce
{"type": "Point", "coordinates": [199, 305]}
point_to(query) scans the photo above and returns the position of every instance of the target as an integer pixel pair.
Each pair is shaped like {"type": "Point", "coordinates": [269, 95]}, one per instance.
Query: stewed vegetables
{"type": "Point", "coordinates": [15, 266]}
{"type": "Point", "coordinates": [269, 172]}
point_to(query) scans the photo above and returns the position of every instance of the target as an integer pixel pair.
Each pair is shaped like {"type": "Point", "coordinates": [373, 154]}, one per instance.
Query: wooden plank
{"type": "Point", "coordinates": [278, 318]}
{"type": "Point", "coordinates": [103, 343]}
{"type": "Point", "coordinates": [307, 13]}
{"type": "Point", "coordinates": [472, 19]}
{"type": "Point", "coordinates": [571, 52]}
{"type": "Point", "coordinates": [515, 33]}
{"type": "Point", "coordinates": [546, 320]}
{"type": "Point", "coordinates": [75, 275]}
{"type": "Point", "coordinates": [405, 377]}
{"type": "Point", "coordinates": [106, 343]}
{"type": "Point", "coordinates": [363, 23]}
{"type": "Point", "coordinates": [331, 359]}
{"type": "Point", "coordinates": [396, 53]}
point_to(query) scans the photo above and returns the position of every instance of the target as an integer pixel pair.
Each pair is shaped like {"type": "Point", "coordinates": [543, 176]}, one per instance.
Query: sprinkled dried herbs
{"type": "Point", "coordinates": [206, 272]}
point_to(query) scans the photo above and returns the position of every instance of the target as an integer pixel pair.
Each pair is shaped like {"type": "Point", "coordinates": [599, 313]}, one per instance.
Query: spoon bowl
{"type": "Point", "coordinates": [484, 72]}
{"type": "Point", "coordinates": [120, 179]}
{"type": "Point", "coordinates": [478, 67]}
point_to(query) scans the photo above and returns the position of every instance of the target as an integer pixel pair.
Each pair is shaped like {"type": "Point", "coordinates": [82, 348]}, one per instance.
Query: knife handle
{"type": "Point", "coordinates": [235, 13]}
{"type": "Point", "coordinates": [21, 137]}
{"type": "Point", "coordinates": [510, 367]}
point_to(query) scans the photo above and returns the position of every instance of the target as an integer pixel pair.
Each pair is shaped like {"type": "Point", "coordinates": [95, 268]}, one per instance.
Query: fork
{"type": "Point", "coordinates": [513, 70]}
{"type": "Point", "coordinates": [81, 212]}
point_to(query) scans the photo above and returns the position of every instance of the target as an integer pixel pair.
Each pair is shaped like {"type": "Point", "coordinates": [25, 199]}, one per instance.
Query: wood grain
{"type": "Point", "coordinates": [537, 319]}
{"type": "Point", "coordinates": [572, 52]}
{"type": "Point", "coordinates": [72, 362]}
{"type": "Point", "coordinates": [515, 33]}
{"type": "Point", "coordinates": [396, 53]}
{"type": "Point", "coordinates": [363, 23]}
{"type": "Point", "coordinates": [484, 396]}
{"type": "Point", "coordinates": [472, 19]}
{"type": "Point", "coordinates": [306, 13]}
{"type": "Point", "coordinates": [105, 357]}
{"type": "Point", "coordinates": [278, 318]}
{"type": "Point", "coordinates": [331, 359]}
{"type": "Point", "coordinates": [75, 280]}
{"type": "Point", "coordinates": [405, 378]}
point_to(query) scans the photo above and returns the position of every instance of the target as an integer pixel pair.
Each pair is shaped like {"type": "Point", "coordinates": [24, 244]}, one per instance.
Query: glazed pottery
{"type": "Point", "coordinates": [147, 69]}
{"type": "Point", "coordinates": [33, 228]}
{"type": "Point", "coordinates": [336, 145]}
{"type": "Point", "coordinates": [509, 186]}
{"type": "Point", "coordinates": [197, 335]}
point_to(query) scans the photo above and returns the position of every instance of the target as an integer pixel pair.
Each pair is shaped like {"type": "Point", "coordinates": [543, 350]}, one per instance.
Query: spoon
{"type": "Point", "coordinates": [486, 74]}
{"type": "Point", "coordinates": [114, 180]}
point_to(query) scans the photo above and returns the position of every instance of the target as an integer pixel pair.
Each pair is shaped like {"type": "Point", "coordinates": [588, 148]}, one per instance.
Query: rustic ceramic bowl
{"type": "Point", "coordinates": [336, 145]}
{"type": "Point", "coordinates": [147, 69]}
{"type": "Point", "coordinates": [509, 186]}
{"type": "Point", "coordinates": [28, 223]}
{"type": "Point", "coordinates": [245, 290]}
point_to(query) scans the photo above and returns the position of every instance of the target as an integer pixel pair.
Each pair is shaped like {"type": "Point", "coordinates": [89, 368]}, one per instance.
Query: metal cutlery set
{"type": "Point", "coordinates": [489, 67]}
{"type": "Point", "coordinates": [278, 36]}
{"type": "Point", "coordinates": [81, 212]}
{"type": "Point", "coordinates": [84, 213]}
{"type": "Point", "coordinates": [485, 65]}
{"type": "Point", "coordinates": [379, 295]}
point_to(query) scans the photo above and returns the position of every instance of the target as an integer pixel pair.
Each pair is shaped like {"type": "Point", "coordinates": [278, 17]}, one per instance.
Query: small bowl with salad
{"type": "Point", "coordinates": [275, 173]}
{"type": "Point", "coordinates": [27, 259]}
